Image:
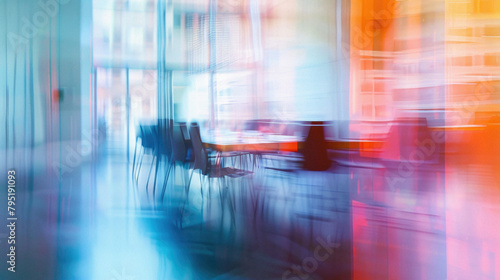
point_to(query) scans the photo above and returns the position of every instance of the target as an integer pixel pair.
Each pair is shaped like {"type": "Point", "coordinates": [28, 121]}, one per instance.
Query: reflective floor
{"type": "Point", "coordinates": [344, 223]}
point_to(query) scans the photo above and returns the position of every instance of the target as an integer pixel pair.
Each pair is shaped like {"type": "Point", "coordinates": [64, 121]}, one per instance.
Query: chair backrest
{"type": "Point", "coordinates": [179, 151]}
{"type": "Point", "coordinates": [184, 129]}
{"type": "Point", "coordinates": [187, 141]}
{"type": "Point", "coordinates": [165, 123]}
{"type": "Point", "coordinates": [148, 140]}
{"type": "Point", "coordinates": [139, 133]}
{"type": "Point", "coordinates": [200, 154]}
{"type": "Point", "coordinates": [410, 139]}
{"type": "Point", "coordinates": [315, 150]}
{"type": "Point", "coordinates": [163, 138]}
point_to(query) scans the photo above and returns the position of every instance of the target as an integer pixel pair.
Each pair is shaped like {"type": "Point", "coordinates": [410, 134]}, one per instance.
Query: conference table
{"type": "Point", "coordinates": [249, 141]}
{"type": "Point", "coordinates": [252, 141]}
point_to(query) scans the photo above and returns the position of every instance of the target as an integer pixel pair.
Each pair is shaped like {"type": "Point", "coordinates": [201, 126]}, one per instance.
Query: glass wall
{"type": "Point", "coordinates": [125, 59]}
{"type": "Point", "coordinates": [260, 59]}
{"type": "Point", "coordinates": [125, 98]}
{"type": "Point", "coordinates": [125, 33]}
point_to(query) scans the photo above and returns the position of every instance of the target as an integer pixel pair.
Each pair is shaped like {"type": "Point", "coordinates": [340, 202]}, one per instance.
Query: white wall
{"type": "Point", "coordinates": [45, 46]}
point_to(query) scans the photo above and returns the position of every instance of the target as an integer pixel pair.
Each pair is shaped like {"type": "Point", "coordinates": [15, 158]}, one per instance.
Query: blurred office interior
{"type": "Point", "coordinates": [251, 139]}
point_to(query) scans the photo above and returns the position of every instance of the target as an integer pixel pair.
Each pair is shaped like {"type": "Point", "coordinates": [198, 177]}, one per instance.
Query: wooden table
{"type": "Point", "coordinates": [228, 143]}
{"type": "Point", "coordinates": [285, 143]}
{"type": "Point", "coordinates": [471, 127]}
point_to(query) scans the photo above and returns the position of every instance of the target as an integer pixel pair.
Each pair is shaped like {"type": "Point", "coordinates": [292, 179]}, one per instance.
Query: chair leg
{"type": "Point", "coordinates": [156, 175]}
{"type": "Point", "coordinates": [136, 169]}
{"type": "Point", "coordinates": [186, 198]}
{"type": "Point", "coordinates": [166, 180]}
{"type": "Point", "coordinates": [189, 182]}
{"type": "Point", "coordinates": [226, 195]}
{"type": "Point", "coordinates": [139, 168]}
{"type": "Point", "coordinates": [187, 177]}
{"type": "Point", "coordinates": [209, 193]}
{"type": "Point", "coordinates": [203, 202]}
{"type": "Point", "coordinates": [232, 204]}
{"type": "Point", "coordinates": [221, 197]}
{"type": "Point", "coordinates": [187, 187]}
{"type": "Point", "coordinates": [201, 186]}
{"type": "Point", "coordinates": [253, 199]}
{"type": "Point", "coordinates": [149, 175]}
{"type": "Point", "coordinates": [135, 154]}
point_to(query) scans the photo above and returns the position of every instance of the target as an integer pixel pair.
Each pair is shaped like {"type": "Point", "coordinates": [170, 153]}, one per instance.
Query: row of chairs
{"type": "Point", "coordinates": [166, 142]}
{"type": "Point", "coordinates": [174, 145]}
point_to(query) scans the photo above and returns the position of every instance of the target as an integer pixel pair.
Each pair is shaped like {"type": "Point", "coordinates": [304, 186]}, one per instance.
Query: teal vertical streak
{"type": "Point", "coordinates": [160, 57]}
{"type": "Point", "coordinates": [212, 33]}
{"type": "Point", "coordinates": [32, 120]}
{"type": "Point", "coordinates": [50, 80]}
{"type": "Point", "coordinates": [14, 96]}
{"type": "Point", "coordinates": [25, 115]}
{"type": "Point", "coordinates": [6, 88]}
{"type": "Point", "coordinates": [14, 104]}
{"type": "Point", "coordinates": [127, 107]}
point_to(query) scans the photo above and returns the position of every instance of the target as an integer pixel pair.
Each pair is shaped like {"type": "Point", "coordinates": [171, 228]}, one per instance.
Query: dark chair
{"type": "Point", "coordinates": [179, 154]}
{"type": "Point", "coordinates": [184, 130]}
{"type": "Point", "coordinates": [309, 170]}
{"type": "Point", "coordinates": [187, 139]}
{"type": "Point", "coordinates": [406, 144]}
{"type": "Point", "coordinates": [312, 156]}
{"type": "Point", "coordinates": [315, 150]}
{"type": "Point", "coordinates": [159, 151]}
{"type": "Point", "coordinates": [148, 144]}
{"type": "Point", "coordinates": [211, 171]}
{"type": "Point", "coordinates": [409, 154]}
{"type": "Point", "coordinates": [163, 136]}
